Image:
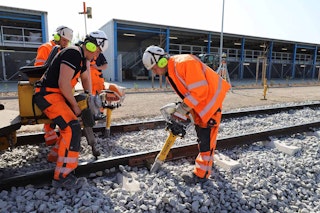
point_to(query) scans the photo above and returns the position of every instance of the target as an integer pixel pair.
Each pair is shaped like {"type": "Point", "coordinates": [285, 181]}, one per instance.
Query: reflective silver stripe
{"type": "Point", "coordinates": [67, 160]}
{"type": "Point", "coordinates": [213, 100]}
{"type": "Point", "coordinates": [203, 167]}
{"type": "Point", "coordinates": [63, 170]}
{"type": "Point", "coordinates": [51, 137]}
{"type": "Point", "coordinates": [197, 84]}
{"type": "Point", "coordinates": [206, 158]}
{"type": "Point", "coordinates": [54, 150]}
{"type": "Point", "coordinates": [192, 99]}
{"type": "Point", "coordinates": [180, 79]}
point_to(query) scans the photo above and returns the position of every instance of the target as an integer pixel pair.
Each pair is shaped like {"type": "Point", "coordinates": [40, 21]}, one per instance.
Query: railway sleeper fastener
{"type": "Point", "coordinates": [225, 162]}
{"type": "Point", "coordinates": [275, 143]}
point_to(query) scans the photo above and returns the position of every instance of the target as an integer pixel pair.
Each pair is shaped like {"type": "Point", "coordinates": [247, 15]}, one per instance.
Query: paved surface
{"type": "Point", "coordinates": [141, 84]}
{"type": "Point", "coordinates": [148, 104]}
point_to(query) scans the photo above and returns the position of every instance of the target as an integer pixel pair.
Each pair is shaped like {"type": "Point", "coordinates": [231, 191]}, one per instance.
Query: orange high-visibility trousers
{"type": "Point", "coordinates": [55, 108]}
{"type": "Point", "coordinates": [207, 141]}
{"type": "Point", "coordinates": [50, 135]}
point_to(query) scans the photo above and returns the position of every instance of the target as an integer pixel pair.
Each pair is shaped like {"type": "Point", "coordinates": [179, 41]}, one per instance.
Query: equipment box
{"type": "Point", "coordinates": [26, 107]}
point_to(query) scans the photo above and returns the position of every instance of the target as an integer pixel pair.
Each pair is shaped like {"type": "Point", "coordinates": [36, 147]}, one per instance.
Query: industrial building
{"type": "Point", "coordinates": [284, 59]}
{"type": "Point", "coordinates": [22, 31]}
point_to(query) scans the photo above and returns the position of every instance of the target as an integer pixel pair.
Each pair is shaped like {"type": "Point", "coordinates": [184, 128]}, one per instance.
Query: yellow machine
{"type": "Point", "coordinates": [176, 127]}
{"type": "Point", "coordinates": [28, 113]}
{"type": "Point", "coordinates": [111, 98]}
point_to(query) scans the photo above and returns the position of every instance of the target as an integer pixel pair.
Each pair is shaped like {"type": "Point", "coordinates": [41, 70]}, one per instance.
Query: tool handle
{"type": "Point", "coordinates": [108, 121]}
{"type": "Point", "coordinates": [166, 147]}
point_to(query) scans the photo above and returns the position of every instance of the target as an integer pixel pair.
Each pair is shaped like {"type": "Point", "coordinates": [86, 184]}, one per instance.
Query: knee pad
{"type": "Point", "coordinates": [76, 135]}
{"type": "Point", "coordinates": [203, 135]}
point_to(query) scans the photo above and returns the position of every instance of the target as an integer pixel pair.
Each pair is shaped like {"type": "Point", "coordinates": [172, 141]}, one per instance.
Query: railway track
{"type": "Point", "coordinates": [145, 158]}
{"type": "Point", "coordinates": [38, 137]}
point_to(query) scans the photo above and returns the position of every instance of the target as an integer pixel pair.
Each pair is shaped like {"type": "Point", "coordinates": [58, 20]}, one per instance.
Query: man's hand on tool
{"type": "Point", "coordinates": [182, 108]}
{"type": "Point", "coordinates": [180, 112]}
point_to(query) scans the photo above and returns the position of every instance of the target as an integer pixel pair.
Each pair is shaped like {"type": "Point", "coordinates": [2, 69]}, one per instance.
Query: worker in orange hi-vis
{"type": "Point", "coordinates": [202, 92]}
{"type": "Point", "coordinates": [54, 96]}
{"type": "Point", "coordinates": [62, 37]}
{"type": "Point", "coordinates": [96, 66]}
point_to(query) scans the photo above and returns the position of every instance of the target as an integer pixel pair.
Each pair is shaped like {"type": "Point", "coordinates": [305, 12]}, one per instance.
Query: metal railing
{"type": "Point", "coordinates": [20, 36]}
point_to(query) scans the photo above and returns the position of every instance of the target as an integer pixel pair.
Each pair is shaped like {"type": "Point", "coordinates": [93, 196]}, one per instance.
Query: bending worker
{"type": "Point", "coordinates": [96, 66]}
{"type": "Point", "coordinates": [61, 37]}
{"type": "Point", "coordinates": [202, 92]}
{"type": "Point", "coordinates": [54, 96]}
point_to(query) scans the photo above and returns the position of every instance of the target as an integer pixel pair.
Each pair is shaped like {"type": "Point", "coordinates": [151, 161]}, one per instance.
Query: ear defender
{"type": "Point", "coordinates": [91, 47]}
{"type": "Point", "coordinates": [162, 62]}
{"type": "Point", "coordinates": [56, 37]}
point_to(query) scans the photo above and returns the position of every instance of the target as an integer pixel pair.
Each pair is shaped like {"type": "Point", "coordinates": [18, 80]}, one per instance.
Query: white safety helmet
{"type": "Point", "coordinates": [99, 38]}
{"type": "Point", "coordinates": [64, 32]}
{"type": "Point", "coordinates": [151, 56]}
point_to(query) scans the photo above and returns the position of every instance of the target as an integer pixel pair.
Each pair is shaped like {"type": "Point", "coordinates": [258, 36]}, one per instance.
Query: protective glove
{"type": "Point", "coordinates": [180, 112]}
{"type": "Point", "coordinates": [182, 108]}
{"type": "Point", "coordinates": [95, 103]}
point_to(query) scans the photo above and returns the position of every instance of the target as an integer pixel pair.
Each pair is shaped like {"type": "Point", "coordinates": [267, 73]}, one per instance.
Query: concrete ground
{"type": "Point", "coordinates": [141, 84]}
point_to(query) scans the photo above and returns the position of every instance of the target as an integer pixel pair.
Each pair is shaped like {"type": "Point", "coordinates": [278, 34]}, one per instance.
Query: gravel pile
{"type": "Point", "coordinates": [267, 181]}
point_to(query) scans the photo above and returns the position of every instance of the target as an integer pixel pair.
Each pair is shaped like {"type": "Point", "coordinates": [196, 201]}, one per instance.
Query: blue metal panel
{"type": "Point", "coordinates": [20, 17]}
{"type": "Point", "coordinates": [241, 58]}
{"type": "Point", "coordinates": [314, 62]}
{"type": "Point", "coordinates": [305, 47]}
{"type": "Point", "coordinates": [209, 43]}
{"type": "Point", "coordinates": [167, 39]}
{"type": "Point", "coordinates": [293, 74]}
{"type": "Point", "coordinates": [43, 29]}
{"type": "Point", "coordinates": [270, 60]}
{"type": "Point", "coordinates": [115, 56]}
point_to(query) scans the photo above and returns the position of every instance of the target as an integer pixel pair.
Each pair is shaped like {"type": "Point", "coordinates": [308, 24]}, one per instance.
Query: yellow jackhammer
{"type": "Point", "coordinates": [111, 98]}
{"type": "Point", "coordinates": [176, 127]}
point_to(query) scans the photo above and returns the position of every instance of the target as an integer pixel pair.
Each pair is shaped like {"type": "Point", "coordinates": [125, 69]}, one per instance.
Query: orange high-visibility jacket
{"type": "Point", "coordinates": [97, 80]}
{"type": "Point", "coordinates": [201, 88]}
{"type": "Point", "coordinates": [43, 53]}
{"type": "Point", "coordinates": [96, 75]}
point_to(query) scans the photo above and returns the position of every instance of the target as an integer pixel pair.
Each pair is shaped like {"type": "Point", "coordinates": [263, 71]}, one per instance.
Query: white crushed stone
{"type": "Point", "coordinates": [267, 180]}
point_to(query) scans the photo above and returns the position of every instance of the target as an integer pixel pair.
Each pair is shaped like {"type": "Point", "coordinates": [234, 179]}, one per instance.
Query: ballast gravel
{"type": "Point", "coordinates": [267, 180]}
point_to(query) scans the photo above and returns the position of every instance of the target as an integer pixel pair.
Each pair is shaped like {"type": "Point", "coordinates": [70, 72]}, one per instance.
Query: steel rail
{"type": "Point", "coordinates": [35, 138]}
{"type": "Point", "coordinates": [146, 158]}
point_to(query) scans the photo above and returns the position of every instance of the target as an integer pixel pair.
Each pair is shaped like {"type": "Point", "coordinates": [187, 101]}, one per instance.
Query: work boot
{"type": "Point", "coordinates": [191, 178]}
{"type": "Point", "coordinates": [69, 182]}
